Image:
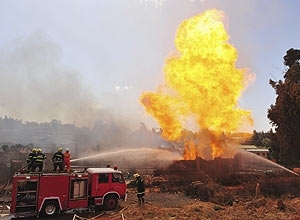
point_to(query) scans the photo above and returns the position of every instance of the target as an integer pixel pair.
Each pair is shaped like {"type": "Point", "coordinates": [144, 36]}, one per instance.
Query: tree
{"type": "Point", "coordinates": [285, 113]}
{"type": "Point", "coordinates": [273, 146]}
{"type": "Point", "coordinates": [254, 139]}
{"type": "Point", "coordinates": [258, 139]}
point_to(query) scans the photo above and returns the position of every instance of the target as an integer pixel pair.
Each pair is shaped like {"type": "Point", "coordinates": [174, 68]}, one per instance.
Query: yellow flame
{"type": "Point", "coordinates": [201, 82]}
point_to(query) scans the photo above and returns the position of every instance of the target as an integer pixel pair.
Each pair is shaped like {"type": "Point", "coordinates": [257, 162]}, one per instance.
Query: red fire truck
{"type": "Point", "coordinates": [47, 194]}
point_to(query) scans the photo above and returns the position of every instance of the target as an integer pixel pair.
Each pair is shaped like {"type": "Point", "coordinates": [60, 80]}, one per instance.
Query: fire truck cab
{"type": "Point", "coordinates": [50, 193]}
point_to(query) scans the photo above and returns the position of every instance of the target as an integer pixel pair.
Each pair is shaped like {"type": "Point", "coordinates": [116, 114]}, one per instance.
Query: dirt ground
{"type": "Point", "coordinates": [159, 205]}
{"type": "Point", "coordinates": [177, 206]}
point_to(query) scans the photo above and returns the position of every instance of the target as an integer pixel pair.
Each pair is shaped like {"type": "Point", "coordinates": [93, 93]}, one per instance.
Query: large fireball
{"type": "Point", "coordinates": [202, 83]}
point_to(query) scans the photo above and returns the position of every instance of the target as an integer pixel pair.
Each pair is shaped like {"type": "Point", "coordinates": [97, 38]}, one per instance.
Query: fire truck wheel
{"type": "Point", "coordinates": [110, 202]}
{"type": "Point", "coordinates": [50, 208]}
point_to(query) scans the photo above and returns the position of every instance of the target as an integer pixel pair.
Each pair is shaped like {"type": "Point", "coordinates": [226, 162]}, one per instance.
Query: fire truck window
{"type": "Point", "coordinates": [103, 178]}
{"type": "Point", "coordinates": [78, 189]}
{"type": "Point", "coordinates": [117, 177]}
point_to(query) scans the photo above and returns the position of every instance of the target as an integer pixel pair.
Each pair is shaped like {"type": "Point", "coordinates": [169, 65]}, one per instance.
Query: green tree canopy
{"type": "Point", "coordinates": [285, 113]}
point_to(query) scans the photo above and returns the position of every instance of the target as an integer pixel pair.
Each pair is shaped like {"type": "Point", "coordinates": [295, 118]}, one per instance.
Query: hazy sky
{"type": "Point", "coordinates": [78, 61]}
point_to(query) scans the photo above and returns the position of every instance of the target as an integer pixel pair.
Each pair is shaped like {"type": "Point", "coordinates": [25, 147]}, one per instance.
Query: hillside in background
{"type": "Point", "coordinates": [101, 135]}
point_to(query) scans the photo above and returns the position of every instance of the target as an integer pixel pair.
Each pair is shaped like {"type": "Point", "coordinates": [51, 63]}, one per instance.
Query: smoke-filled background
{"type": "Point", "coordinates": [36, 86]}
{"type": "Point", "coordinates": [78, 62]}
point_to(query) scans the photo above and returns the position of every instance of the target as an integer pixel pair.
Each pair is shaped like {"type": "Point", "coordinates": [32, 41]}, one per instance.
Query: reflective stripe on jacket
{"type": "Point", "coordinates": [31, 157]}
{"type": "Point", "coordinates": [58, 157]}
{"type": "Point", "coordinates": [40, 157]}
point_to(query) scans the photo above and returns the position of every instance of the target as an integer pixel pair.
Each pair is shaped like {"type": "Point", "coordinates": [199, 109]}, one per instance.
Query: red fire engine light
{"type": "Point", "coordinates": [115, 167]}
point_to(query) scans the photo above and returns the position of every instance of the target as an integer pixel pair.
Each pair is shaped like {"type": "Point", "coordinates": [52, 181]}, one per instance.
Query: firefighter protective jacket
{"type": "Point", "coordinates": [40, 157]}
{"type": "Point", "coordinates": [58, 157]}
{"type": "Point", "coordinates": [31, 157]}
{"type": "Point", "coordinates": [140, 186]}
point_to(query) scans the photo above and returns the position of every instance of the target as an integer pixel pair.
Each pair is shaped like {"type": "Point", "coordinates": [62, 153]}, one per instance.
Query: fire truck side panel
{"type": "Point", "coordinates": [93, 182]}
{"type": "Point", "coordinates": [71, 191]}
{"type": "Point", "coordinates": [100, 184]}
{"type": "Point", "coordinates": [54, 186]}
{"type": "Point", "coordinates": [78, 192]}
{"type": "Point", "coordinates": [103, 184]}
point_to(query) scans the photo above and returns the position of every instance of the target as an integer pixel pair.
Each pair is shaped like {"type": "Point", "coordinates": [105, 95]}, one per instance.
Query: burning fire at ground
{"type": "Point", "coordinates": [203, 85]}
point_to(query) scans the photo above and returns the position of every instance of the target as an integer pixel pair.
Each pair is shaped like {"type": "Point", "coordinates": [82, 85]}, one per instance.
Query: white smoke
{"type": "Point", "coordinates": [35, 86]}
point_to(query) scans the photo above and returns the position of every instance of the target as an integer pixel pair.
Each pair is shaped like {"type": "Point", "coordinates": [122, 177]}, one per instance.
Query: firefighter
{"type": "Point", "coordinates": [67, 158]}
{"type": "Point", "coordinates": [140, 188]}
{"type": "Point", "coordinates": [30, 160]}
{"type": "Point", "coordinates": [39, 160]}
{"type": "Point", "coordinates": [58, 160]}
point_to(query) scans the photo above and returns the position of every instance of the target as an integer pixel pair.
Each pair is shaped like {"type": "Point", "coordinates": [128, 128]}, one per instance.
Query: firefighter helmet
{"type": "Point", "coordinates": [39, 150]}
{"type": "Point", "coordinates": [33, 149]}
{"type": "Point", "coordinates": [136, 175]}
{"type": "Point", "coordinates": [60, 149]}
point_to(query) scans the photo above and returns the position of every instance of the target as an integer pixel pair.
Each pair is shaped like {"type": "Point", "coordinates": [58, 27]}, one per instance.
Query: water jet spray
{"type": "Point", "coordinates": [169, 154]}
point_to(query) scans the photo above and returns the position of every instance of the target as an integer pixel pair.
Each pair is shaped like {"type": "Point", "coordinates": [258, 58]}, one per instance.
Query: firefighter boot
{"type": "Point", "coordinates": [143, 201]}
{"type": "Point", "coordinates": [140, 201]}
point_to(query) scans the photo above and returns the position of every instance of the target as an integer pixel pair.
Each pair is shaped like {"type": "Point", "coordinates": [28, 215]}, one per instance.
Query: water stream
{"type": "Point", "coordinates": [248, 157]}
{"type": "Point", "coordinates": [148, 152]}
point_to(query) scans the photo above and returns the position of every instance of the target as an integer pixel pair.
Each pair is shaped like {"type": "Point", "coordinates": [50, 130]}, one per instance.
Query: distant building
{"type": "Point", "coordinates": [259, 151]}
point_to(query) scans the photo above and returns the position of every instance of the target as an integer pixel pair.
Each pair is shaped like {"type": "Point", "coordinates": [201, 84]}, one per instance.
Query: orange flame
{"type": "Point", "coordinates": [190, 151]}
{"type": "Point", "coordinates": [202, 83]}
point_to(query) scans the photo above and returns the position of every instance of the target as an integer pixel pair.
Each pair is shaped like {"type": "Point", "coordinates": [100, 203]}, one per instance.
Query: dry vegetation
{"type": "Point", "coordinates": [178, 206]}
{"type": "Point", "coordinates": [277, 197]}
